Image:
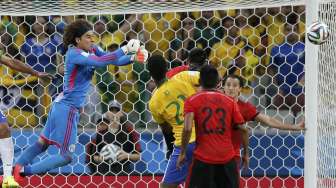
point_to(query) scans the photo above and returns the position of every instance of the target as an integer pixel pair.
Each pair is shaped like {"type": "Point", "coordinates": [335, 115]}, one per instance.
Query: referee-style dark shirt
{"type": "Point", "coordinates": [126, 138]}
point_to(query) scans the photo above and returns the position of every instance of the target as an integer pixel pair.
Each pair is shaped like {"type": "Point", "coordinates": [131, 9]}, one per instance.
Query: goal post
{"type": "Point", "coordinates": [311, 105]}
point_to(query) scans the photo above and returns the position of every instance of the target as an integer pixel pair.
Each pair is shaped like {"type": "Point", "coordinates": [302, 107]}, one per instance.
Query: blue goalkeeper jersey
{"type": "Point", "coordinates": [79, 69]}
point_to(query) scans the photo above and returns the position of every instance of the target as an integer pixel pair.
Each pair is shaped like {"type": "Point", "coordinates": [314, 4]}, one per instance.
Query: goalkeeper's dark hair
{"type": "Point", "coordinates": [75, 30]}
{"type": "Point", "coordinates": [157, 67]}
{"type": "Point", "coordinates": [209, 77]}
{"type": "Point", "coordinates": [197, 58]}
{"type": "Point", "coordinates": [239, 78]}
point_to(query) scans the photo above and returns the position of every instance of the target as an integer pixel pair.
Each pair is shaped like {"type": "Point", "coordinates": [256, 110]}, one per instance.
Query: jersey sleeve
{"type": "Point", "coordinates": [98, 51]}
{"type": "Point", "coordinates": [237, 118]}
{"type": "Point", "coordinates": [251, 112]}
{"type": "Point", "coordinates": [117, 57]}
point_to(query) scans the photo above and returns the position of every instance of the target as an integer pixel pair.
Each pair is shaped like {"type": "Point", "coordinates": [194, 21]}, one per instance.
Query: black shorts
{"type": "Point", "coordinates": [213, 175]}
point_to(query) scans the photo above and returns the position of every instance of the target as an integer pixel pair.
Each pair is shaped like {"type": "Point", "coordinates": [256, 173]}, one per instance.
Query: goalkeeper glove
{"type": "Point", "coordinates": [141, 56]}
{"type": "Point", "coordinates": [132, 46]}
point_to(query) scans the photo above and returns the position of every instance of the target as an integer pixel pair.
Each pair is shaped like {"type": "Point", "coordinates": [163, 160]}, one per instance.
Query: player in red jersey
{"type": "Point", "coordinates": [215, 115]}
{"type": "Point", "coordinates": [232, 85]}
{"type": "Point", "coordinates": [196, 58]}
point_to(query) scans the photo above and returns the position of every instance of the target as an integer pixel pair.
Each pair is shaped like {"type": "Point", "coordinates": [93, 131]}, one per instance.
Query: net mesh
{"type": "Point", "coordinates": [327, 102]}
{"type": "Point", "coordinates": [238, 41]}
{"type": "Point", "coordinates": [75, 7]}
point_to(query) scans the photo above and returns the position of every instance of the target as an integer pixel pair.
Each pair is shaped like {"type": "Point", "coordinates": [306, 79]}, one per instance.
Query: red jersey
{"type": "Point", "coordinates": [249, 112]}
{"type": "Point", "coordinates": [215, 115]}
{"type": "Point", "coordinates": [176, 70]}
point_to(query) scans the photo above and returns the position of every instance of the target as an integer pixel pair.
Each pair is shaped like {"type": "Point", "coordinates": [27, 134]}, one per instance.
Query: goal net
{"type": "Point", "coordinates": [326, 171]}
{"type": "Point", "coordinates": [262, 41]}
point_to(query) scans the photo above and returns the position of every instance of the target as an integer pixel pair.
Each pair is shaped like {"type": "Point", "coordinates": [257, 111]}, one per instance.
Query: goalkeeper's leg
{"type": "Point", "coordinates": [60, 130]}
{"type": "Point", "coordinates": [31, 152]}
{"type": "Point", "coordinates": [27, 157]}
{"type": "Point", "coordinates": [49, 163]}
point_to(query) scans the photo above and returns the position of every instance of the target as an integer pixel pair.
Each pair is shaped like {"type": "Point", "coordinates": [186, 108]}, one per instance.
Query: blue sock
{"type": "Point", "coordinates": [49, 163]}
{"type": "Point", "coordinates": [30, 153]}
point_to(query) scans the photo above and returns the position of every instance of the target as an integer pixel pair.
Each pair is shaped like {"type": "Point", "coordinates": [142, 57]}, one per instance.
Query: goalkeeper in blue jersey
{"type": "Point", "coordinates": [61, 127]}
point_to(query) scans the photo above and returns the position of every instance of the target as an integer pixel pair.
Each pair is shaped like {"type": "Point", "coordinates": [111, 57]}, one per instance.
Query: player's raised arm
{"type": "Point", "coordinates": [232, 87]}
{"type": "Point", "coordinates": [245, 142]}
{"type": "Point", "coordinates": [239, 121]}
{"type": "Point", "coordinates": [20, 66]}
{"type": "Point", "coordinates": [168, 135]}
{"type": "Point", "coordinates": [189, 116]}
{"type": "Point", "coordinates": [274, 123]}
{"type": "Point", "coordinates": [117, 57]}
{"type": "Point", "coordinates": [78, 38]}
{"type": "Point", "coordinates": [186, 134]}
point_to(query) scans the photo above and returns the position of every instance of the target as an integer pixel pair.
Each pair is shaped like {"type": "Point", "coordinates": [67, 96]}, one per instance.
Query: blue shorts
{"type": "Point", "coordinates": [61, 127]}
{"type": "Point", "coordinates": [3, 118]}
{"type": "Point", "coordinates": [174, 175]}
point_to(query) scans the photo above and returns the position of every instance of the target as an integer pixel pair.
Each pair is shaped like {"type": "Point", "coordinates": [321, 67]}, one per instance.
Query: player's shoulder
{"type": "Point", "coordinates": [172, 72]}
{"type": "Point", "coordinates": [189, 77]}
{"type": "Point", "coordinates": [225, 97]}
{"type": "Point", "coordinates": [190, 73]}
{"type": "Point", "coordinates": [72, 51]}
{"type": "Point", "coordinates": [186, 74]}
{"type": "Point", "coordinates": [95, 49]}
{"type": "Point", "coordinates": [174, 83]}
{"type": "Point", "coordinates": [206, 94]}
{"type": "Point", "coordinates": [245, 103]}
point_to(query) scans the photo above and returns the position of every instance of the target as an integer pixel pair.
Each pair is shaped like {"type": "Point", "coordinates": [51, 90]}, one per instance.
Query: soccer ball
{"type": "Point", "coordinates": [318, 33]}
{"type": "Point", "coordinates": [110, 152]}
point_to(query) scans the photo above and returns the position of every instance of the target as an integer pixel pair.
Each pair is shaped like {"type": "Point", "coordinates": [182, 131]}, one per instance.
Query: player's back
{"type": "Point", "coordinates": [189, 77]}
{"type": "Point", "coordinates": [77, 79]}
{"type": "Point", "coordinates": [215, 114]}
{"type": "Point", "coordinates": [167, 104]}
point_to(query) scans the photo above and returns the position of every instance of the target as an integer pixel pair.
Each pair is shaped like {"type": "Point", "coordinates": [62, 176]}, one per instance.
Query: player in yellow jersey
{"type": "Point", "coordinates": [166, 106]}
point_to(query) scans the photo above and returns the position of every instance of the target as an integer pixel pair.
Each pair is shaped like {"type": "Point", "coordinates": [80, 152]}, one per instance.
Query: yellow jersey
{"type": "Point", "coordinates": [167, 102]}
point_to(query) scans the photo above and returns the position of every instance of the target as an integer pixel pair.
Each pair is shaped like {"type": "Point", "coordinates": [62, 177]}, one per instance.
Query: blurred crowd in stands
{"type": "Point", "coordinates": [263, 45]}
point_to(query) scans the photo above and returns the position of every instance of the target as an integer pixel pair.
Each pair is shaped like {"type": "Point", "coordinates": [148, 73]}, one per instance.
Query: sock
{"type": "Point", "coordinates": [7, 155]}
{"type": "Point", "coordinates": [30, 153]}
{"type": "Point", "coordinates": [49, 163]}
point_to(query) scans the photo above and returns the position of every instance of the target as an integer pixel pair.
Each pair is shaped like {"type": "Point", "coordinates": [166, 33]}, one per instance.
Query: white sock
{"type": "Point", "coordinates": [7, 155]}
